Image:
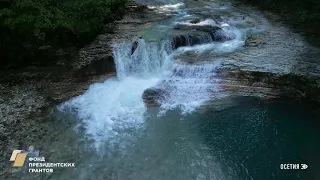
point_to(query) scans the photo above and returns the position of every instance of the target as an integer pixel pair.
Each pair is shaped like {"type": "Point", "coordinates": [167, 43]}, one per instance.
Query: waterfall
{"type": "Point", "coordinates": [147, 59]}
{"type": "Point", "coordinates": [189, 86]}
{"type": "Point", "coordinates": [111, 110]}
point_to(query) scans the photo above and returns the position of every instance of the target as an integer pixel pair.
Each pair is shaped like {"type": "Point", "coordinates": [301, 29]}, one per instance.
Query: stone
{"type": "Point", "coordinates": [206, 28]}
{"type": "Point", "coordinates": [267, 84]}
{"type": "Point", "coordinates": [44, 47]}
{"type": "Point", "coordinates": [134, 47]}
{"type": "Point", "coordinates": [152, 96]}
{"type": "Point", "coordinates": [30, 148]}
{"type": "Point", "coordinates": [201, 38]}
{"type": "Point", "coordinates": [194, 21]}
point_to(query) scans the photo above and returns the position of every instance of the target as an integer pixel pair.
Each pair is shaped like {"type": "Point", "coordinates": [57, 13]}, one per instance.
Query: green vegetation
{"type": "Point", "coordinates": [26, 25]}
{"type": "Point", "coordinates": [304, 15]}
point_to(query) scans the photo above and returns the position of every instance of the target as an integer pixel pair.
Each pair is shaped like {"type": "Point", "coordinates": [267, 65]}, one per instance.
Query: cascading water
{"type": "Point", "coordinates": [148, 59]}
{"type": "Point", "coordinates": [111, 108]}
{"type": "Point", "coordinates": [189, 86]}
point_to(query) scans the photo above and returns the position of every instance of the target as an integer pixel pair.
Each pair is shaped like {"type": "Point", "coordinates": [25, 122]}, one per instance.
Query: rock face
{"type": "Point", "coordinates": [194, 39]}
{"type": "Point", "coordinates": [269, 85]}
{"type": "Point", "coordinates": [189, 35]}
{"type": "Point", "coordinates": [189, 40]}
{"type": "Point", "coordinates": [95, 60]}
{"type": "Point", "coordinates": [232, 81]}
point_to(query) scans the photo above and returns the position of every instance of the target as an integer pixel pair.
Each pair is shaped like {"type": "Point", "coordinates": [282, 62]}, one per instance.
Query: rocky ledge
{"type": "Point", "coordinates": [231, 81]}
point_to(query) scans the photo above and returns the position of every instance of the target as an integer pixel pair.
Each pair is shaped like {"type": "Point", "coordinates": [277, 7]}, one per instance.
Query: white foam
{"type": "Point", "coordinates": [112, 107]}
{"type": "Point", "coordinates": [172, 6]}
{"type": "Point", "coordinates": [109, 109]}
{"type": "Point", "coordinates": [218, 47]}
{"type": "Point", "coordinates": [189, 86]}
{"type": "Point", "coordinates": [151, 58]}
{"type": "Point", "coordinates": [206, 22]}
{"type": "Point", "coordinates": [168, 7]}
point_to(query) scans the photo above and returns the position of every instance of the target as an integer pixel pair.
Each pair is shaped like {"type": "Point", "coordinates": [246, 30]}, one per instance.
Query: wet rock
{"type": "Point", "coordinates": [190, 39]}
{"type": "Point", "coordinates": [134, 47]}
{"type": "Point", "coordinates": [187, 35]}
{"type": "Point", "coordinates": [254, 42]}
{"type": "Point", "coordinates": [103, 65]}
{"type": "Point", "coordinates": [152, 96]}
{"type": "Point", "coordinates": [96, 58]}
{"type": "Point", "coordinates": [196, 39]}
{"type": "Point", "coordinates": [181, 40]}
{"type": "Point", "coordinates": [231, 81]}
{"type": "Point", "coordinates": [194, 20]}
{"type": "Point", "coordinates": [268, 85]}
{"type": "Point", "coordinates": [206, 28]}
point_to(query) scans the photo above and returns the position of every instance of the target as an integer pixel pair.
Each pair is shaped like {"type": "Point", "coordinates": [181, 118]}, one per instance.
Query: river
{"type": "Point", "coordinates": [195, 132]}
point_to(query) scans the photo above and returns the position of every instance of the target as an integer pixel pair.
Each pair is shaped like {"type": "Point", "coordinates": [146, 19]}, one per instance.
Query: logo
{"type": "Point", "coordinates": [293, 166]}
{"type": "Point", "coordinates": [304, 166]}
{"type": "Point", "coordinates": [18, 157]}
{"type": "Point", "coordinates": [36, 163]}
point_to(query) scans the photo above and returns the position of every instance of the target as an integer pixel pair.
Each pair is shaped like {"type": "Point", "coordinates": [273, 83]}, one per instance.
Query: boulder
{"type": "Point", "coordinates": [100, 66]}
{"type": "Point", "coordinates": [190, 40]}
{"type": "Point", "coordinates": [152, 96]}
{"type": "Point", "coordinates": [189, 35]}
{"type": "Point", "coordinates": [194, 20]}
{"type": "Point", "coordinates": [196, 39]}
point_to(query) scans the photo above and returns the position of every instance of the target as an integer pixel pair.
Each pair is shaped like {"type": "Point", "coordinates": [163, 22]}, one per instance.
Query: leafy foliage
{"type": "Point", "coordinates": [54, 22]}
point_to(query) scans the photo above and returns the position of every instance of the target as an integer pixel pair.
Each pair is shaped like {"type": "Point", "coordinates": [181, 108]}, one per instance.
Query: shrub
{"type": "Point", "coordinates": [55, 22]}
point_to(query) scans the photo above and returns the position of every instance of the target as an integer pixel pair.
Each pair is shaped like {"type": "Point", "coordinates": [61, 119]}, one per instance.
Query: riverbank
{"type": "Point", "coordinates": [302, 17]}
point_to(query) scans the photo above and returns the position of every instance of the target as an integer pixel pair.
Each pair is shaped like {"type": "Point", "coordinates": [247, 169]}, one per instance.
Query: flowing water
{"type": "Point", "coordinates": [110, 133]}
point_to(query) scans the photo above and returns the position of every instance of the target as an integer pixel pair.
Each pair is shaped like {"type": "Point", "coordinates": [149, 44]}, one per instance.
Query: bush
{"type": "Point", "coordinates": [56, 22]}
